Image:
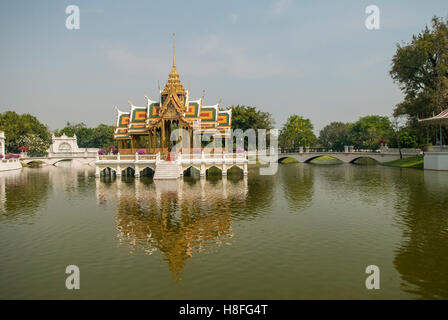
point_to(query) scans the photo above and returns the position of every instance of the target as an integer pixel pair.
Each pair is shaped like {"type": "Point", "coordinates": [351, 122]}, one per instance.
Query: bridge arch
{"type": "Point", "coordinates": [128, 171]}
{"type": "Point", "coordinates": [314, 157]}
{"type": "Point", "coordinates": [60, 160]}
{"type": "Point", "coordinates": [191, 169]}
{"type": "Point", "coordinates": [234, 169]}
{"type": "Point", "coordinates": [281, 159]}
{"type": "Point", "coordinates": [106, 170]}
{"type": "Point", "coordinates": [147, 172]}
{"type": "Point", "coordinates": [214, 170]}
{"type": "Point", "coordinates": [364, 157]}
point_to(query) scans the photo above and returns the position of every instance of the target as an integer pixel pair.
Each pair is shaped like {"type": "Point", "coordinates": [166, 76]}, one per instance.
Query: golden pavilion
{"type": "Point", "coordinates": [149, 127]}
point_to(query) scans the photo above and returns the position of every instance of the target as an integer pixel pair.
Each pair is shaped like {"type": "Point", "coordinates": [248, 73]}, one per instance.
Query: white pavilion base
{"type": "Point", "coordinates": [11, 164]}
{"type": "Point", "coordinates": [436, 161]}
{"type": "Point", "coordinates": [118, 164]}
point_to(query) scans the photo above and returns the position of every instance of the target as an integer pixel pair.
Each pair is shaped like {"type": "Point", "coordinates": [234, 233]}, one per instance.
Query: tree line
{"type": "Point", "coordinates": [25, 130]}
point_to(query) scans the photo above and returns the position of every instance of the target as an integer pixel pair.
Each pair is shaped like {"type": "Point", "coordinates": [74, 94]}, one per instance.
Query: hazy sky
{"type": "Point", "coordinates": [312, 58]}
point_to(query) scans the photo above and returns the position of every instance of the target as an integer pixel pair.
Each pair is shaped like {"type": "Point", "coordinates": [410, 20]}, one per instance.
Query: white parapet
{"type": "Point", "coordinates": [10, 164]}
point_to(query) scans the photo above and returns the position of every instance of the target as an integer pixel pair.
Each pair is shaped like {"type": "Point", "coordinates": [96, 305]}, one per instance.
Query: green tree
{"type": "Point", "coordinates": [296, 132]}
{"type": "Point", "coordinates": [370, 131]}
{"type": "Point", "coordinates": [37, 146]}
{"type": "Point", "coordinates": [409, 139]}
{"type": "Point", "coordinates": [420, 68]}
{"type": "Point", "coordinates": [16, 126]}
{"type": "Point", "coordinates": [103, 136]}
{"type": "Point", "coordinates": [246, 117]}
{"type": "Point", "coordinates": [336, 135]}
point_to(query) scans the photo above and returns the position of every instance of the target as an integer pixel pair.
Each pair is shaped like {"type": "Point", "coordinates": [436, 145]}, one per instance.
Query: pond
{"type": "Point", "coordinates": [308, 232]}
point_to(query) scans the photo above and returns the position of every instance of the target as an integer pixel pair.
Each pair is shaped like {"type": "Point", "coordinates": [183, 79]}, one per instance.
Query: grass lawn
{"type": "Point", "coordinates": [289, 160]}
{"type": "Point", "coordinates": [411, 162]}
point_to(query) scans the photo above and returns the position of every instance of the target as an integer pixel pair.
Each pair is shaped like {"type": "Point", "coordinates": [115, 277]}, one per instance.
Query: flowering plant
{"type": "Point", "coordinates": [102, 152]}
{"type": "Point", "coordinates": [23, 149]}
{"type": "Point", "coordinates": [141, 151]}
{"type": "Point", "coordinates": [239, 150]}
{"type": "Point", "coordinates": [12, 156]}
{"type": "Point", "coordinates": [114, 150]}
{"type": "Point", "coordinates": [1, 156]}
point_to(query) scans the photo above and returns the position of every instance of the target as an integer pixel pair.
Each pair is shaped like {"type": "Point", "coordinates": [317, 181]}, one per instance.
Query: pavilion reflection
{"type": "Point", "coordinates": [176, 218]}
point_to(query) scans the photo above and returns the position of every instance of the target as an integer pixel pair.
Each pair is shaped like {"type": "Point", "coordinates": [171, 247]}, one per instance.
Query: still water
{"type": "Point", "coordinates": [309, 232]}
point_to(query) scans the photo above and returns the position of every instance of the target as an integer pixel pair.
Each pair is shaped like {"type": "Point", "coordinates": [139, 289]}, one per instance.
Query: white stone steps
{"type": "Point", "coordinates": [167, 170]}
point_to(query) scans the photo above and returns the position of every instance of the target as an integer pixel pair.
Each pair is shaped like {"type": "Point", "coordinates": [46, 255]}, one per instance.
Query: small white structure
{"type": "Point", "coordinates": [7, 164]}
{"type": "Point", "coordinates": [2, 143]}
{"type": "Point", "coordinates": [64, 145]}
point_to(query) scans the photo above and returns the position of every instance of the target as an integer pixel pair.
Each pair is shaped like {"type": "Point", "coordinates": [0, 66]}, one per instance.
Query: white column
{"type": "Point", "coordinates": [202, 169]}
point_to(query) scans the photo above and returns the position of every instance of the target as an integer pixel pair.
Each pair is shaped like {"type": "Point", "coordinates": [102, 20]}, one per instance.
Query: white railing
{"type": "Point", "coordinates": [437, 148]}
{"type": "Point", "coordinates": [178, 157]}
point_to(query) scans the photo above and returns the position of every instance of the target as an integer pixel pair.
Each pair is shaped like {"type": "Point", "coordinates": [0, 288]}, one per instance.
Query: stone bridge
{"type": "Point", "coordinates": [346, 157]}
{"type": "Point", "coordinates": [88, 158]}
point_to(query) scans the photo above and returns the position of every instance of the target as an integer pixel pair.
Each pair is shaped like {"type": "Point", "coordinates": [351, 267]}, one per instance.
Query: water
{"type": "Point", "coordinates": [308, 232]}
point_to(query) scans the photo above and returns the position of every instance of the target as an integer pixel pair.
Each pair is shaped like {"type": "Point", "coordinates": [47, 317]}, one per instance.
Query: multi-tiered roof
{"type": "Point", "coordinates": [173, 104]}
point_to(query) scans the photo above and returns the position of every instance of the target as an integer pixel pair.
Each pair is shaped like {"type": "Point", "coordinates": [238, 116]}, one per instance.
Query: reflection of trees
{"type": "Point", "coordinates": [369, 184]}
{"type": "Point", "coordinates": [176, 218]}
{"type": "Point", "coordinates": [422, 258]}
{"type": "Point", "coordinates": [22, 192]}
{"type": "Point", "coordinates": [298, 184]}
{"type": "Point", "coordinates": [260, 193]}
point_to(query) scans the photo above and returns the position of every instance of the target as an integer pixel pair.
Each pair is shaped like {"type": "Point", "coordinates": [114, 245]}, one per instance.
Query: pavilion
{"type": "Point", "coordinates": [149, 127]}
{"type": "Point", "coordinates": [436, 158]}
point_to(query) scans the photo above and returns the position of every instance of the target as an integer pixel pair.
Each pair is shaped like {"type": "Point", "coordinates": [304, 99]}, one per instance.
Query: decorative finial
{"type": "Point", "coordinates": [174, 61]}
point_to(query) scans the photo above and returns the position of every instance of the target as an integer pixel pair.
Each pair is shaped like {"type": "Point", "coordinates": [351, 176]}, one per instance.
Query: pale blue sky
{"type": "Point", "coordinates": [312, 58]}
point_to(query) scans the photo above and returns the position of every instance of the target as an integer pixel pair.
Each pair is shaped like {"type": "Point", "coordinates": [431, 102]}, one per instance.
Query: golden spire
{"type": "Point", "coordinates": [174, 61]}
{"type": "Point", "coordinates": [173, 78]}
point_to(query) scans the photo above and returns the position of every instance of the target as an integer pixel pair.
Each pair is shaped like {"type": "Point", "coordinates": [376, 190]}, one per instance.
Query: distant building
{"type": "Point", "coordinates": [66, 145]}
